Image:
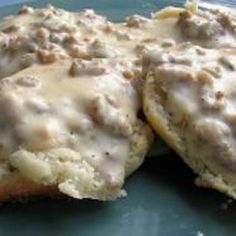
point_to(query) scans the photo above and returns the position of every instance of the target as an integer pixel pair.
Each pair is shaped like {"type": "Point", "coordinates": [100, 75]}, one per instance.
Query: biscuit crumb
{"type": "Point", "coordinates": [199, 233]}
{"type": "Point", "coordinates": [225, 205]}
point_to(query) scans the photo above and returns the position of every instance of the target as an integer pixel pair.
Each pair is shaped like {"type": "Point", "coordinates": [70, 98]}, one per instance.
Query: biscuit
{"type": "Point", "coordinates": [188, 98]}
{"type": "Point", "coordinates": [70, 127]}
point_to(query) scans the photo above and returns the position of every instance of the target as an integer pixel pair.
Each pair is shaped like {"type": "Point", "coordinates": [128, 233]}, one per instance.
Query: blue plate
{"type": "Point", "coordinates": [162, 200]}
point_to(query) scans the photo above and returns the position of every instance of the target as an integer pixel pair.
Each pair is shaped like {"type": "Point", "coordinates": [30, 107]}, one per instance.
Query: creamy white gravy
{"type": "Point", "coordinates": [87, 110]}
{"type": "Point", "coordinates": [198, 94]}
{"type": "Point", "coordinates": [87, 107]}
{"type": "Point", "coordinates": [46, 35]}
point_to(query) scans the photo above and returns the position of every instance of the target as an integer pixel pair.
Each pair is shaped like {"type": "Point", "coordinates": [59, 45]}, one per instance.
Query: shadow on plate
{"type": "Point", "coordinates": [169, 172]}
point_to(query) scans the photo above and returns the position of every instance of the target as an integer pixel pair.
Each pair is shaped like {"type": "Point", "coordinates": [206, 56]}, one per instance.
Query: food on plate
{"type": "Point", "coordinates": [71, 126]}
{"type": "Point", "coordinates": [189, 98]}
{"type": "Point", "coordinates": [71, 88]}
{"type": "Point", "coordinates": [212, 29]}
{"type": "Point", "coordinates": [43, 36]}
